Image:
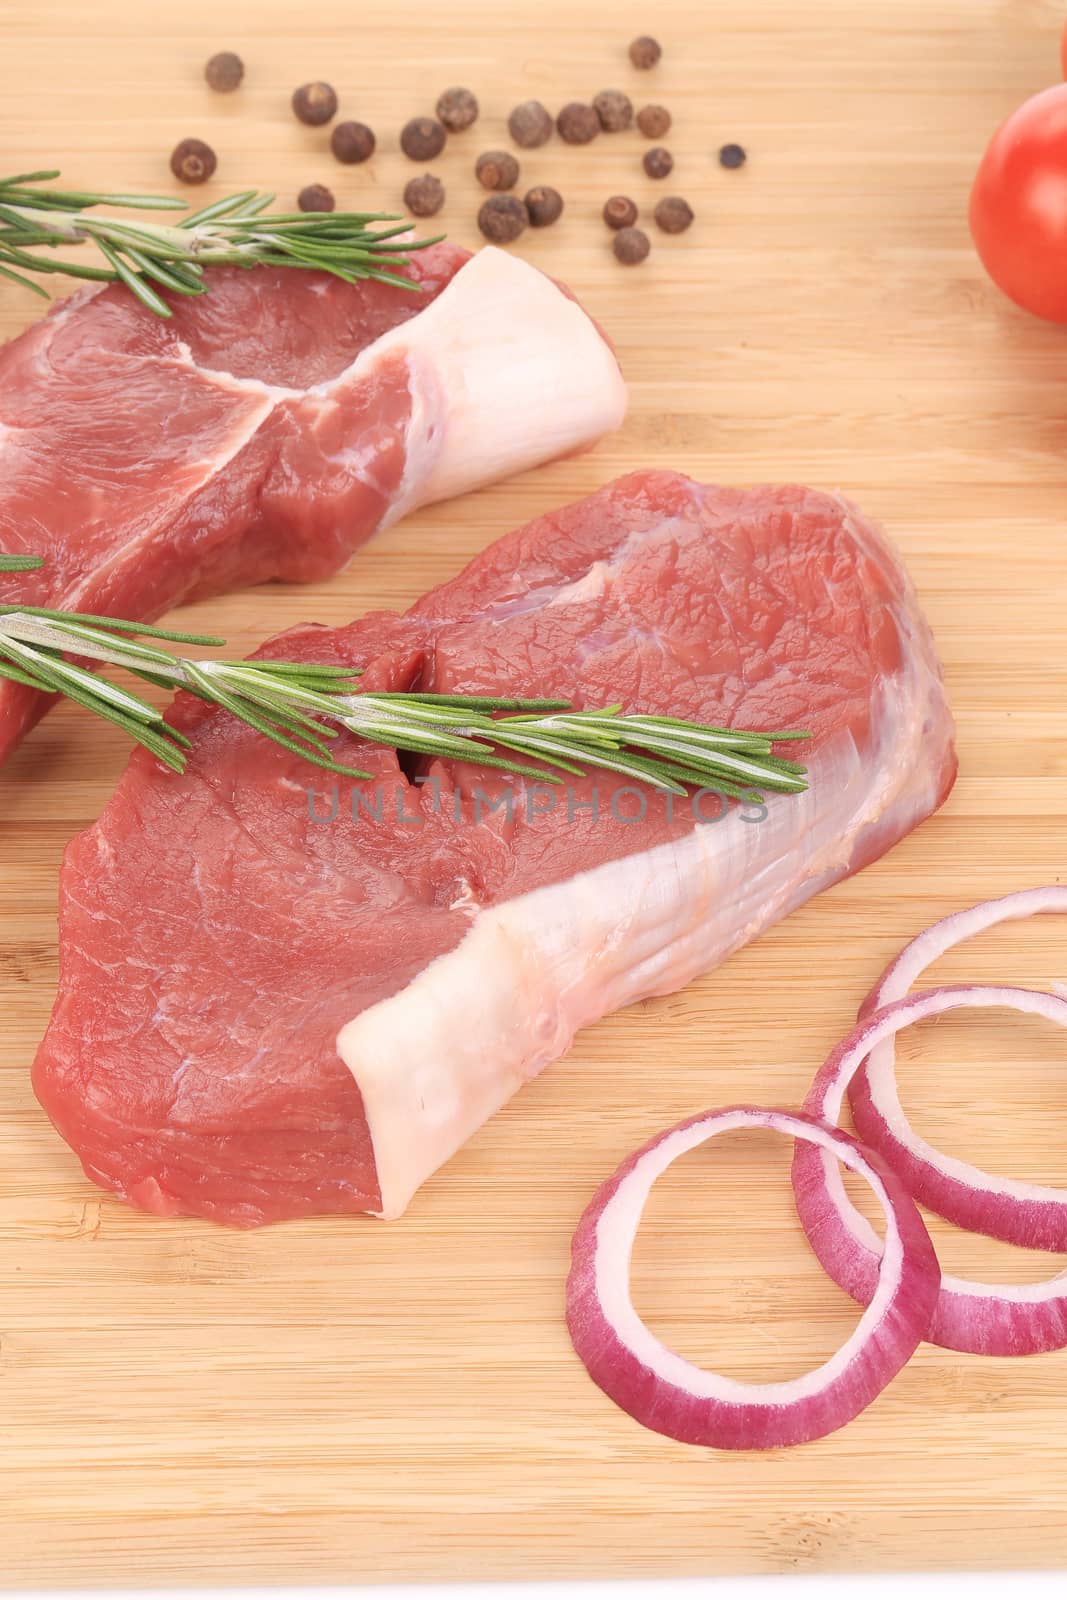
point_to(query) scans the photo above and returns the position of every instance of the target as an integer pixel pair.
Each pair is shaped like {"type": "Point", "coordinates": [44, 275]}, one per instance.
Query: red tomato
{"type": "Point", "coordinates": [1019, 206]}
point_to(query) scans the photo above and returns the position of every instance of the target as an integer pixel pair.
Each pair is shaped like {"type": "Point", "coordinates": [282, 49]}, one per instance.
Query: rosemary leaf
{"type": "Point", "coordinates": [142, 733]}
{"type": "Point", "coordinates": [425, 742]}
{"type": "Point", "coordinates": [182, 279]}
{"type": "Point", "coordinates": [63, 677]}
{"type": "Point", "coordinates": [110, 624]}
{"type": "Point", "coordinates": [133, 281]}
{"type": "Point", "coordinates": [16, 674]}
{"type": "Point", "coordinates": [475, 702]}
{"type": "Point", "coordinates": [22, 178]}
{"type": "Point", "coordinates": [26, 283]}
{"type": "Point", "coordinates": [20, 563]}
{"type": "Point", "coordinates": [238, 708]}
{"type": "Point", "coordinates": [232, 205]}
{"type": "Point", "coordinates": [274, 703]}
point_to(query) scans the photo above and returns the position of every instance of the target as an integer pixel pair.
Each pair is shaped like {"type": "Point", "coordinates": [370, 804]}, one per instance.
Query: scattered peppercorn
{"type": "Point", "coordinates": [457, 109]}
{"type": "Point", "coordinates": [422, 139]}
{"type": "Point", "coordinates": [352, 142]}
{"type": "Point", "coordinates": [502, 218]}
{"type": "Point", "coordinates": [225, 71]}
{"type": "Point", "coordinates": [316, 197]}
{"type": "Point", "coordinates": [315, 103]}
{"type": "Point", "coordinates": [673, 214]}
{"type": "Point", "coordinates": [620, 211]}
{"type": "Point", "coordinates": [615, 110]}
{"type": "Point", "coordinates": [530, 125]}
{"type": "Point", "coordinates": [193, 161]}
{"type": "Point", "coordinates": [645, 52]}
{"type": "Point", "coordinates": [424, 196]}
{"type": "Point", "coordinates": [631, 246]}
{"type": "Point", "coordinates": [543, 206]}
{"type": "Point", "coordinates": [497, 169]}
{"type": "Point", "coordinates": [658, 163]}
{"type": "Point", "coordinates": [654, 121]}
{"type": "Point", "coordinates": [578, 123]}
{"type": "Point", "coordinates": [732, 155]}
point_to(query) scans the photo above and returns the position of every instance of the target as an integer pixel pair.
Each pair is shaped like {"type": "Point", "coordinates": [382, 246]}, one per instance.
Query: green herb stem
{"type": "Point", "coordinates": [302, 705]}
{"type": "Point", "coordinates": [236, 231]}
{"type": "Point", "coordinates": [20, 563]}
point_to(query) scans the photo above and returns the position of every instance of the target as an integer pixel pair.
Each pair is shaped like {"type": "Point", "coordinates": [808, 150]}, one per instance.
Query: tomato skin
{"type": "Point", "coordinates": [1019, 206]}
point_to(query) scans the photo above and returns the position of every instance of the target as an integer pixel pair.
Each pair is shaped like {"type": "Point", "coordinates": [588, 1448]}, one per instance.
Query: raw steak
{"type": "Point", "coordinates": [262, 1015]}
{"type": "Point", "coordinates": [272, 425]}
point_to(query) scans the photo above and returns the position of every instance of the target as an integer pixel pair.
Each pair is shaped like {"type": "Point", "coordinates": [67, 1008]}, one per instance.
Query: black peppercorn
{"type": "Point", "coordinates": [530, 125]}
{"type": "Point", "coordinates": [424, 196]}
{"type": "Point", "coordinates": [502, 218]}
{"type": "Point", "coordinates": [658, 163]}
{"type": "Point", "coordinates": [645, 52]}
{"type": "Point", "coordinates": [315, 103]}
{"type": "Point", "coordinates": [578, 123]}
{"type": "Point", "coordinates": [422, 139]}
{"type": "Point", "coordinates": [497, 169]}
{"type": "Point", "coordinates": [543, 206]}
{"type": "Point", "coordinates": [316, 197]}
{"type": "Point", "coordinates": [615, 110]}
{"type": "Point", "coordinates": [631, 246]}
{"type": "Point", "coordinates": [352, 142]}
{"type": "Point", "coordinates": [620, 211]}
{"type": "Point", "coordinates": [732, 155]}
{"type": "Point", "coordinates": [457, 109]}
{"type": "Point", "coordinates": [673, 214]}
{"type": "Point", "coordinates": [654, 121]}
{"type": "Point", "coordinates": [224, 71]}
{"type": "Point", "coordinates": [193, 161]}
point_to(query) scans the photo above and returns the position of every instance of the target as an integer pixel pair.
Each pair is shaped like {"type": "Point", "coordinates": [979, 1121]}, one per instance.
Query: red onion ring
{"type": "Point", "coordinates": [672, 1396]}
{"type": "Point", "coordinates": [1027, 1214]}
{"type": "Point", "coordinates": [982, 1319]}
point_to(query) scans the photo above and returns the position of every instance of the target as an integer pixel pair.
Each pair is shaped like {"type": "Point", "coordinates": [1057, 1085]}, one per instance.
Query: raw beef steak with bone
{"type": "Point", "coordinates": [271, 426]}
{"type": "Point", "coordinates": [262, 1014]}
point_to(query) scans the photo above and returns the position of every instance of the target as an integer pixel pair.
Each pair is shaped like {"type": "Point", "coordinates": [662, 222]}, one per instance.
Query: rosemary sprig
{"type": "Point", "coordinates": [148, 256]}
{"type": "Point", "coordinates": [301, 705]}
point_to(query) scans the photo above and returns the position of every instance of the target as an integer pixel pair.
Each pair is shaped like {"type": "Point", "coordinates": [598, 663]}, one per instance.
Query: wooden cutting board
{"type": "Point", "coordinates": [346, 1400]}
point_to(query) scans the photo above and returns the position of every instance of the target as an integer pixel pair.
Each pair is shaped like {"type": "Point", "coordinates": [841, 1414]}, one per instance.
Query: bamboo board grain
{"type": "Point", "coordinates": [344, 1401]}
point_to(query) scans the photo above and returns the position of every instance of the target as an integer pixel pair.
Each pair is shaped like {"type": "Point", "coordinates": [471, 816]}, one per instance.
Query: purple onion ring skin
{"type": "Point", "coordinates": [664, 1392]}
{"type": "Point", "coordinates": [976, 1318]}
{"type": "Point", "coordinates": [1027, 1214]}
